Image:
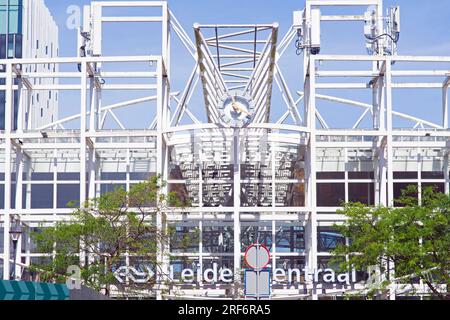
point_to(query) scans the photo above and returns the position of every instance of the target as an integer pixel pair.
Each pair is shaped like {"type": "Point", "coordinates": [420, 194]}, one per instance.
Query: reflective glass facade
{"type": "Point", "coordinates": [11, 45]}
{"type": "Point", "coordinates": [11, 12]}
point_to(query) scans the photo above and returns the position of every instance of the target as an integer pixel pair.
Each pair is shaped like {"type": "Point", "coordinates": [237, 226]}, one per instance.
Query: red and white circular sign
{"type": "Point", "coordinates": [257, 256]}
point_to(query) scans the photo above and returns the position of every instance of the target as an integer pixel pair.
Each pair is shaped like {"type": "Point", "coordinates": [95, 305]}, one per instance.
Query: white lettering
{"type": "Point", "coordinates": [329, 276]}
{"type": "Point", "coordinates": [344, 277]}
{"type": "Point", "coordinates": [207, 272]}
{"type": "Point", "coordinates": [74, 19]}
{"type": "Point", "coordinates": [226, 275]}
{"type": "Point", "coordinates": [279, 273]}
{"type": "Point", "coordinates": [297, 274]}
{"type": "Point", "coordinates": [187, 275]}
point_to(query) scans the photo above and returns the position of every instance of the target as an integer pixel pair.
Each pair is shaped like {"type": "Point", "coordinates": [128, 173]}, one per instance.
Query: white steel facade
{"type": "Point", "coordinates": [276, 180]}
{"type": "Point", "coordinates": [29, 31]}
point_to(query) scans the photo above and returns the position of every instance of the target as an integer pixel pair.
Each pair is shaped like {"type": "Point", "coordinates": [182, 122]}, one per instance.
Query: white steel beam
{"type": "Point", "coordinates": [8, 167]}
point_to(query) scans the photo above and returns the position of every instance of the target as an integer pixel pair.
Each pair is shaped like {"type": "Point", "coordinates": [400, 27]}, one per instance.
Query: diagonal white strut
{"type": "Point", "coordinates": [229, 62]}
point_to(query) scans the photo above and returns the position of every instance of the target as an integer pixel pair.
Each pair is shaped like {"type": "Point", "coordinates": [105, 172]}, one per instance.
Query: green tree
{"type": "Point", "coordinates": [408, 242]}
{"type": "Point", "coordinates": [106, 229]}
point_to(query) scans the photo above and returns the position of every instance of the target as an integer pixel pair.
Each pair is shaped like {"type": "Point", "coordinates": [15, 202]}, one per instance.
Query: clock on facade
{"type": "Point", "coordinates": [236, 110]}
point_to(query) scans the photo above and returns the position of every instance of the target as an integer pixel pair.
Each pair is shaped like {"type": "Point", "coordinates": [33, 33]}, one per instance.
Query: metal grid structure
{"type": "Point", "coordinates": [29, 31]}
{"type": "Point", "coordinates": [269, 179]}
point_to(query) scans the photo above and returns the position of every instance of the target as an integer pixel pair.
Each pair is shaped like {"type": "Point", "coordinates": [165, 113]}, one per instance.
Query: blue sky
{"type": "Point", "coordinates": [424, 32]}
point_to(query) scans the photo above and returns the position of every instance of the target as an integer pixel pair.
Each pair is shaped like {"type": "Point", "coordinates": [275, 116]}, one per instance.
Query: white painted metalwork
{"type": "Point", "coordinates": [263, 178]}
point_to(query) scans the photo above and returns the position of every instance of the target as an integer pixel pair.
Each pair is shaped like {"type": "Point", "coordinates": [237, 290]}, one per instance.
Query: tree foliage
{"type": "Point", "coordinates": [102, 232]}
{"type": "Point", "coordinates": [408, 242]}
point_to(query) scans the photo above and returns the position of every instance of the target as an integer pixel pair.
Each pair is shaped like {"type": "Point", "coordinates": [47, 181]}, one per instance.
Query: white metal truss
{"type": "Point", "coordinates": [237, 58]}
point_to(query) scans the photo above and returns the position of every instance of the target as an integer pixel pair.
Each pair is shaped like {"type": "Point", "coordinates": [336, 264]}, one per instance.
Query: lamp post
{"type": "Point", "coordinates": [15, 231]}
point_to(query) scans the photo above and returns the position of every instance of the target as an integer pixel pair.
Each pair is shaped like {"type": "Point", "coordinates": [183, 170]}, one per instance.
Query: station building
{"type": "Point", "coordinates": [249, 175]}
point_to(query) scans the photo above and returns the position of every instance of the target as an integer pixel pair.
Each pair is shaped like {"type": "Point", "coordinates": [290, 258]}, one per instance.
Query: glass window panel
{"type": "Point", "coordinates": [113, 176]}
{"type": "Point", "coordinates": [286, 263]}
{"type": "Point", "coordinates": [255, 171]}
{"type": "Point", "coordinates": [176, 173]}
{"type": "Point", "coordinates": [361, 175]}
{"type": "Point", "coordinates": [290, 239]}
{"type": "Point", "coordinates": [253, 234]}
{"type": "Point", "coordinates": [14, 16]}
{"type": "Point", "coordinates": [217, 171]}
{"type": "Point", "coordinates": [330, 194]}
{"type": "Point", "coordinates": [432, 175]}
{"type": "Point", "coordinates": [13, 196]}
{"type": "Point", "coordinates": [41, 196]}
{"type": "Point", "coordinates": [41, 176]}
{"type": "Point", "coordinates": [184, 239]}
{"type": "Point", "coordinates": [217, 194]}
{"type": "Point", "coordinates": [104, 188]}
{"type": "Point", "coordinates": [290, 195]}
{"type": "Point", "coordinates": [398, 188]}
{"type": "Point", "coordinates": [11, 46]}
{"type": "Point", "coordinates": [325, 263]}
{"type": "Point", "coordinates": [18, 47]}
{"type": "Point", "coordinates": [256, 194]}
{"type": "Point", "coordinates": [438, 187]}
{"type": "Point", "coordinates": [218, 239]}
{"type": "Point", "coordinates": [65, 176]}
{"type": "Point", "coordinates": [2, 44]}
{"type": "Point", "coordinates": [12, 3]}
{"type": "Point", "coordinates": [222, 262]}
{"type": "Point", "coordinates": [140, 175]}
{"type": "Point", "coordinates": [328, 239]}
{"type": "Point", "coordinates": [40, 261]}
{"type": "Point", "coordinates": [290, 170]}
{"type": "Point", "coordinates": [2, 196]}
{"type": "Point", "coordinates": [184, 192]}
{"type": "Point", "coordinates": [67, 193]}
{"type": "Point", "coordinates": [330, 175]}
{"type": "Point", "coordinates": [149, 204]}
{"type": "Point", "coordinates": [361, 192]}
{"type": "Point", "coordinates": [183, 171]}
{"type": "Point", "coordinates": [33, 245]}
{"type": "Point", "coordinates": [405, 174]}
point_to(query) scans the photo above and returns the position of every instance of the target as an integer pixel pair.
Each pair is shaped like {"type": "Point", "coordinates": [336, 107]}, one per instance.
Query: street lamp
{"type": "Point", "coordinates": [15, 231]}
